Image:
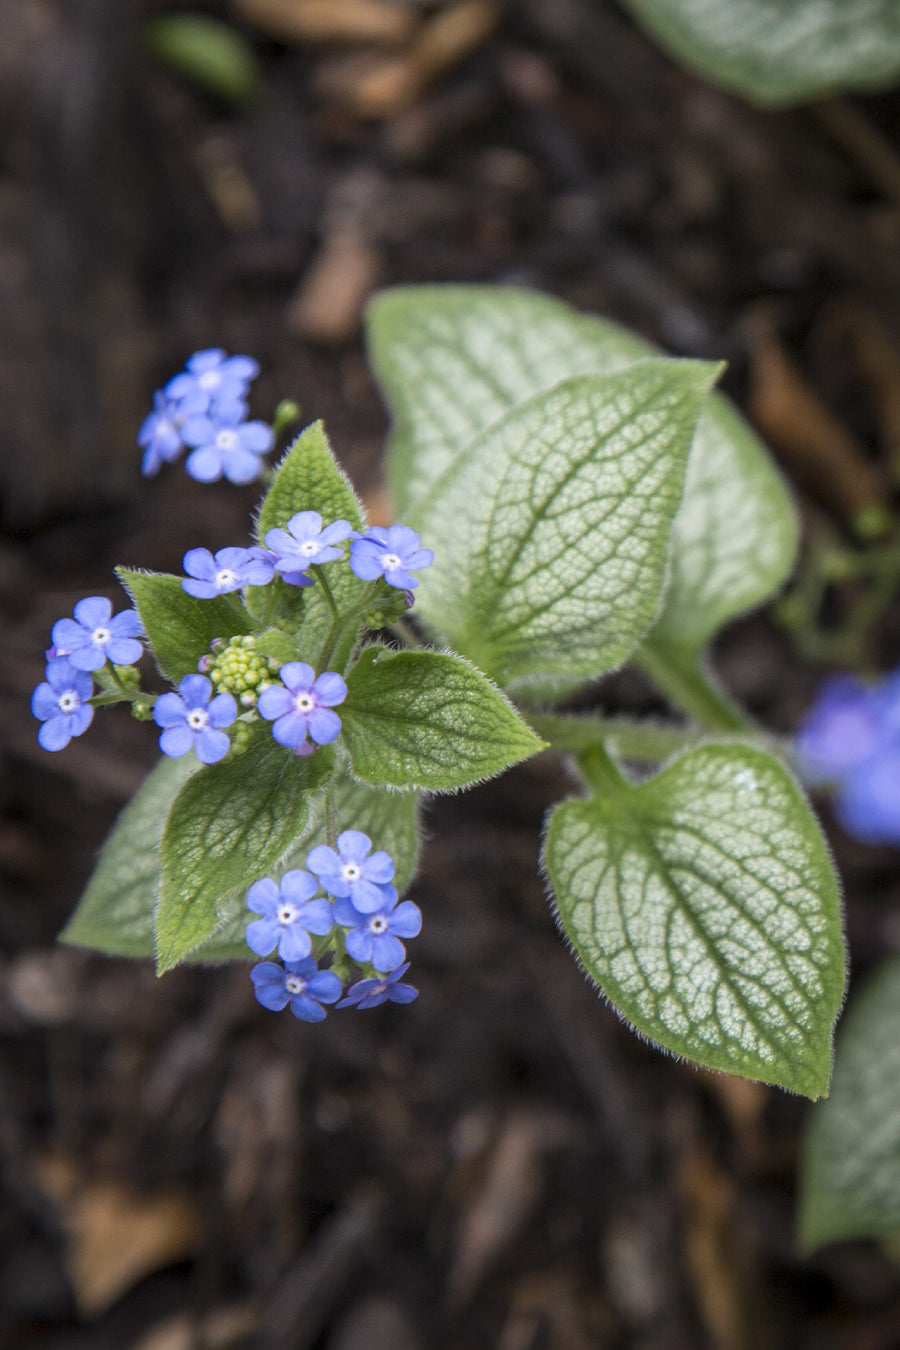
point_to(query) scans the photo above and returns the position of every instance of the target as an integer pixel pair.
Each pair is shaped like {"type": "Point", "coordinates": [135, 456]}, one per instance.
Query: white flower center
{"type": "Point", "coordinates": [226, 439]}
{"type": "Point", "coordinates": [351, 871]}
{"type": "Point", "coordinates": [288, 913]}
{"type": "Point", "coordinates": [304, 703]}
{"type": "Point", "coordinates": [101, 636]}
{"type": "Point", "coordinates": [391, 562]}
{"type": "Point", "coordinates": [378, 924]}
{"type": "Point", "coordinates": [225, 578]}
{"type": "Point", "coordinates": [309, 548]}
{"type": "Point", "coordinates": [210, 379]}
{"type": "Point", "coordinates": [294, 984]}
{"type": "Point", "coordinates": [197, 719]}
{"type": "Point", "coordinates": [68, 702]}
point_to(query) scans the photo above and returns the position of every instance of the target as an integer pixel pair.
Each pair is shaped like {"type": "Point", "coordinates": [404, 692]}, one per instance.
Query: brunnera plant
{"type": "Point", "coordinates": [570, 501]}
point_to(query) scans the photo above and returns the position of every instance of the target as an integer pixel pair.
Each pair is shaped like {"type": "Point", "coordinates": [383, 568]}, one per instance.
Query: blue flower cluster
{"type": "Point", "coordinates": [357, 919]}
{"type": "Point", "coordinates": [204, 409]}
{"type": "Point", "coordinates": [851, 739]}
{"type": "Point", "coordinates": [393, 554]}
{"type": "Point", "coordinates": [81, 645]}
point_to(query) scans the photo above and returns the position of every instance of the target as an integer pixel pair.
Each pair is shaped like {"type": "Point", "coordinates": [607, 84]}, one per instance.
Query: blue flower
{"type": "Point", "coordinates": [226, 446]}
{"type": "Point", "coordinates": [304, 543]}
{"type": "Point", "coordinates": [369, 993]}
{"type": "Point", "coordinates": [303, 704]}
{"type": "Point", "coordinates": [841, 730]}
{"type": "Point", "coordinates": [374, 938]}
{"type": "Point", "coordinates": [350, 871]}
{"type": "Point", "coordinates": [230, 570]}
{"type": "Point", "coordinates": [300, 984]}
{"type": "Point", "coordinates": [214, 382]}
{"type": "Point", "coordinates": [93, 637]}
{"type": "Point", "coordinates": [391, 553]}
{"type": "Point", "coordinates": [289, 915]}
{"type": "Point", "coordinates": [61, 703]}
{"type": "Point", "coordinates": [192, 721]}
{"type": "Point", "coordinates": [160, 433]}
{"type": "Point", "coordinates": [868, 801]}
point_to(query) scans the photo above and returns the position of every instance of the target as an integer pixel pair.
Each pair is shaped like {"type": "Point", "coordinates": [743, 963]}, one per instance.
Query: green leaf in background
{"type": "Point", "coordinates": [453, 359]}
{"type": "Point", "coordinates": [115, 913]}
{"type": "Point", "coordinates": [309, 479]}
{"type": "Point", "coordinates": [209, 53]}
{"type": "Point", "coordinates": [779, 52]}
{"type": "Point", "coordinates": [551, 530]}
{"type": "Point", "coordinates": [227, 826]}
{"type": "Point", "coordinates": [179, 627]}
{"type": "Point", "coordinates": [850, 1177]}
{"type": "Point", "coordinates": [704, 904]}
{"type": "Point", "coordinates": [390, 819]}
{"type": "Point", "coordinates": [429, 720]}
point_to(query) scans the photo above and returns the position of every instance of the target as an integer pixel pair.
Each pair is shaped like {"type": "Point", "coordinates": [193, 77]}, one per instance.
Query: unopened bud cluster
{"type": "Point", "coordinates": [237, 668]}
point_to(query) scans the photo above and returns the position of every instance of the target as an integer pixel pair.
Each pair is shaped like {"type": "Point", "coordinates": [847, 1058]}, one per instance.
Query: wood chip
{"type": "Point", "coordinates": [345, 21]}
{"type": "Point", "coordinates": [806, 435]}
{"type": "Point", "coordinates": [116, 1236]}
{"type": "Point", "coordinates": [329, 304]}
{"type": "Point", "coordinates": [375, 86]}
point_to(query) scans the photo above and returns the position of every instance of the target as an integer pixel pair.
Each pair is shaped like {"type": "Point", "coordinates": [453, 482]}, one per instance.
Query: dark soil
{"type": "Point", "coordinates": [502, 1164]}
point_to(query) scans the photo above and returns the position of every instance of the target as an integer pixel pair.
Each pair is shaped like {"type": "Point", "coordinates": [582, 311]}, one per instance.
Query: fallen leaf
{"type": "Point", "coordinates": [115, 1235]}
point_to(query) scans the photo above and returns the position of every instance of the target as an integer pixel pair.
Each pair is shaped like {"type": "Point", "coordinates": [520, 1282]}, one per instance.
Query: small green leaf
{"type": "Point", "coordinates": [429, 720]}
{"type": "Point", "coordinates": [115, 913]}
{"type": "Point", "coordinates": [207, 52]}
{"type": "Point", "coordinates": [309, 479]}
{"type": "Point", "coordinates": [778, 52]}
{"type": "Point", "coordinates": [850, 1176]}
{"type": "Point", "coordinates": [551, 530]}
{"type": "Point", "coordinates": [179, 628]}
{"type": "Point", "coordinates": [390, 819]}
{"type": "Point", "coordinates": [228, 825]}
{"type": "Point", "coordinates": [454, 359]}
{"type": "Point", "coordinates": [704, 905]}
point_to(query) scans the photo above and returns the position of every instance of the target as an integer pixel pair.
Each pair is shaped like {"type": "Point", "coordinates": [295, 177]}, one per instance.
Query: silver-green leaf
{"type": "Point", "coordinates": [850, 1177]}
{"type": "Point", "coordinates": [704, 904]}
{"type": "Point", "coordinates": [115, 913]}
{"type": "Point", "coordinates": [778, 52]}
{"type": "Point", "coordinates": [454, 359]}
{"type": "Point", "coordinates": [551, 529]}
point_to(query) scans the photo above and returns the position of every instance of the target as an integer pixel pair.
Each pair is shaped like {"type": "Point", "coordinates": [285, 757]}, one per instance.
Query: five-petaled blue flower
{"type": "Point", "coordinates": [392, 553]}
{"type": "Point", "coordinates": [214, 382]}
{"type": "Point", "coordinates": [61, 703]}
{"type": "Point", "coordinates": [229, 570]}
{"type": "Point", "coordinates": [351, 871]}
{"type": "Point", "coordinates": [304, 543]}
{"type": "Point", "coordinates": [300, 984]}
{"type": "Point", "coordinates": [303, 703]}
{"type": "Point", "coordinates": [289, 914]}
{"type": "Point", "coordinates": [192, 721]}
{"type": "Point", "coordinates": [374, 937]}
{"type": "Point", "coordinates": [225, 446]}
{"type": "Point", "coordinates": [93, 636]}
{"type": "Point", "coordinates": [370, 993]}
